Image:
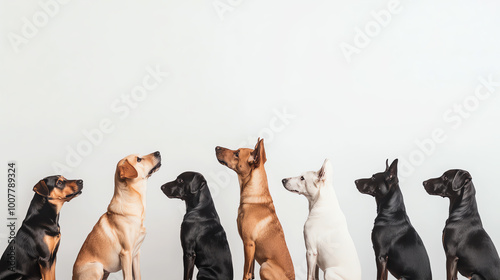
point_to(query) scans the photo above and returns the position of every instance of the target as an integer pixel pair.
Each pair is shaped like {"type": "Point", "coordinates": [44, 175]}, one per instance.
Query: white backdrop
{"type": "Point", "coordinates": [85, 83]}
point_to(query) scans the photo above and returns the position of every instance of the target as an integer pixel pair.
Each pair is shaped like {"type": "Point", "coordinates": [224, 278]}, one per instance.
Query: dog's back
{"type": "Point", "coordinates": [213, 255]}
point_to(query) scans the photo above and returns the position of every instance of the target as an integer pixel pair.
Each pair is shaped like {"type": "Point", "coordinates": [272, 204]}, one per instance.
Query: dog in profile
{"type": "Point", "coordinates": [469, 249]}
{"type": "Point", "coordinates": [114, 242]}
{"type": "Point", "coordinates": [32, 253]}
{"type": "Point", "coordinates": [398, 247]}
{"type": "Point", "coordinates": [328, 242]}
{"type": "Point", "coordinates": [203, 238]}
{"type": "Point", "coordinates": [258, 225]}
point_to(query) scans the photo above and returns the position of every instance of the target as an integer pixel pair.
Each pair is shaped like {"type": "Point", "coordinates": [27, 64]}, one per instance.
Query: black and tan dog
{"type": "Point", "coordinates": [258, 225]}
{"type": "Point", "coordinates": [32, 253]}
{"type": "Point", "coordinates": [398, 247]}
{"type": "Point", "coordinates": [469, 249]}
{"type": "Point", "coordinates": [203, 238]}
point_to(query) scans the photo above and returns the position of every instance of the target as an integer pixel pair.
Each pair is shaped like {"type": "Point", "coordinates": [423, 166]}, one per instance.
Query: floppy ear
{"type": "Point", "coordinates": [127, 171]}
{"type": "Point", "coordinates": [41, 188]}
{"type": "Point", "coordinates": [193, 186]}
{"type": "Point", "coordinates": [258, 155]}
{"type": "Point", "coordinates": [392, 171]}
{"type": "Point", "coordinates": [461, 179]}
{"type": "Point", "coordinates": [325, 171]}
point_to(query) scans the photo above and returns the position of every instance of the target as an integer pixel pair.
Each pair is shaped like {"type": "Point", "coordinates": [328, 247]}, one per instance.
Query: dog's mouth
{"type": "Point", "coordinates": [154, 169]}
{"type": "Point", "coordinates": [73, 195]}
{"type": "Point", "coordinates": [222, 162]}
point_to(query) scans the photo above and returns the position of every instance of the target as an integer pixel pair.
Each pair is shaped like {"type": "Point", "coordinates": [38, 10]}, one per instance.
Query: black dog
{"type": "Point", "coordinates": [398, 247]}
{"type": "Point", "coordinates": [203, 238]}
{"type": "Point", "coordinates": [468, 247]}
{"type": "Point", "coordinates": [32, 253]}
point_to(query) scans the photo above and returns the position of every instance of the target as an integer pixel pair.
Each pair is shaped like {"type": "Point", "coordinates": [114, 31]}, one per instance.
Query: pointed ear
{"type": "Point", "coordinates": [325, 171]}
{"type": "Point", "coordinates": [258, 155]}
{"type": "Point", "coordinates": [461, 179]}
{"type": "Point", "coordinates": [41, 188]}
{"type": "Point", "coordinates": [392, 171]}
{"type": "Point", "coordinates": [386, 164]}
{"type": "Point", "coordinates": [127, 171]}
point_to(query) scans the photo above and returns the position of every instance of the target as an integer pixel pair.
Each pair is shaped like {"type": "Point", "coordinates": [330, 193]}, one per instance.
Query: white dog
{"type": "Point", "coordinates": [328, 242]}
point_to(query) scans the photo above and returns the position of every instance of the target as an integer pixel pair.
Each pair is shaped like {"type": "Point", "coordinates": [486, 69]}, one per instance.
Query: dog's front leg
{"type": "Point", "coordinates": [136, 266]}
{"type": "Point", "coordinates": [189, 258]}
{"type": "Point", "coordinates": [382, 272]}
{"type": "Point", "coordinates": [252, 269]}
{"type": "Point", "coordinates": [48, 271]}
{"type": "Point", "coordinates": [249, 259]}
{"type": "Point", "coordinates": [451, 268]}
{"type": "Point", "coordinates": [312, 258]}
{"type": "Point", "coordinates": [126, 263]}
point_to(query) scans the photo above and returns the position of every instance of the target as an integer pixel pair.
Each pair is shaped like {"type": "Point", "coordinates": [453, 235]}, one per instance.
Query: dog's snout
{"type": "Point", "coordinates": [425, 183]}
{"type": "Point", "coordinates": [356, 182]}
{"type": "Point", "coordinates": [157, 154]}
{"type": "Point", "coordinates": [218, 148]}
{"type": "Point", "coordinates": [79, 183]}
{"type": "Point", "coordinates": [284, 181]}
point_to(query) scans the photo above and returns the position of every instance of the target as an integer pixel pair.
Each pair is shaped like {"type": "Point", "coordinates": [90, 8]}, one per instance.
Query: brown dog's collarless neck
{"type": "Point", "coordinates": [255, 189]}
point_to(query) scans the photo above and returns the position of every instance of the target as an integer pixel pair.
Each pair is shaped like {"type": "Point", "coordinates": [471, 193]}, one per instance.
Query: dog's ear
{"type": "Point", "coordinates": [392, 171]}
{"type": "Point", "coordinates": [461, 179]}
{"type": "Point", "coordinates": [258, 155]}
{"type": "Point", "coordinates": [386, 165]}
{"type": "Point", "coordinates": [197, 184]}
{"type": "Point", "coordinates": [127, 171]}
{"type": "Point", "coordinates": [41, 188]}
{"type": "Point", "coordinates": [326, 170]}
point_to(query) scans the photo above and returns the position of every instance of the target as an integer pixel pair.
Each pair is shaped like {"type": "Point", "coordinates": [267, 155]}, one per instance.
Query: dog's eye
{"type": "Point", "coordinates": [302, 178]}
{"type": "Point", "coordinates": [180, 180]}
{"type": "Point", "coordinates": [445, 178]}
{"type": "Point", "coordinates": [237, 154]}
{"type": "Point", "coordinates": [59, 183]}
{"type": "Point", "coordinates": [139, 159]}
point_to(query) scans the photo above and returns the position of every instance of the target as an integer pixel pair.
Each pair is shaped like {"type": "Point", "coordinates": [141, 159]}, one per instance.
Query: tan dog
{"type": "Point", "coordinates": [258, 225]}
{"type": "Point", "coordinates": [115, 240]}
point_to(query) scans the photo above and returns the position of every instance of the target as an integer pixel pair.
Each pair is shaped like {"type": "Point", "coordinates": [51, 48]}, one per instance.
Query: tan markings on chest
{"type": "Point", "coordinates": [52, 242]}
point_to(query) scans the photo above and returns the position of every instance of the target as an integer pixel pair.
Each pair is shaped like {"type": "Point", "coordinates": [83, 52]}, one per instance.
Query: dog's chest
{"type": "Point", "coordinates": [140, 238]}
{"type": "Point", "coordinates": [52, 242]}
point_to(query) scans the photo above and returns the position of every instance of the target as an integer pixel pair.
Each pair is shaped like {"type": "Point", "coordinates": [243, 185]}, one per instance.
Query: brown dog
{"type": "Point", "coordinates": [115, 240]}
{"type": "Point", "coordinates": [258, 225]}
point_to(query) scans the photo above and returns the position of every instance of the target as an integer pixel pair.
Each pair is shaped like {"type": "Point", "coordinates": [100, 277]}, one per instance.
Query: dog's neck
{"type": "Point", "coordinates": [254, 187]}
{"type": "Point", "coordinates": [126, 198]}
{"type": "Point", "coordinates": [464, 205]}
{"type": "Point", "coordinates": [41, 211]}
{"type": "Point", "coordinates": [391, 208]}
{"type": "Point", "coordinates": [324, 198]}
{"type": "Point", "coordinates": [202, 204]}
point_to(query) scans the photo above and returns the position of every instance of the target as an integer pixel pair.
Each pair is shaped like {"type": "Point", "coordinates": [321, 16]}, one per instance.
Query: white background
{"type": "Point", "coordinates": [231, 78]}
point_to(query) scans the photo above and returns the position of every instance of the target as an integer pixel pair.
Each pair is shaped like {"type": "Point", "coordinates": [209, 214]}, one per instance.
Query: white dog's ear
{"type": "Point", "coordinates": [326, 171]}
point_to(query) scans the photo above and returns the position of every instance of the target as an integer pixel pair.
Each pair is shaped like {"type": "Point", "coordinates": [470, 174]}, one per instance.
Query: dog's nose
{"type": "Point", "coordinates": [425, 182]}
{"type": "Point", "coordinates": [79, 183]}
{"type": "Point", "coordinates": [157, 154]}
{"type": "Point", "coordinates": [284, 181]}
{"type": "Point", "coordinates": [356, 182]}
{"type": "Point", "coordinates": [218, 148]}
